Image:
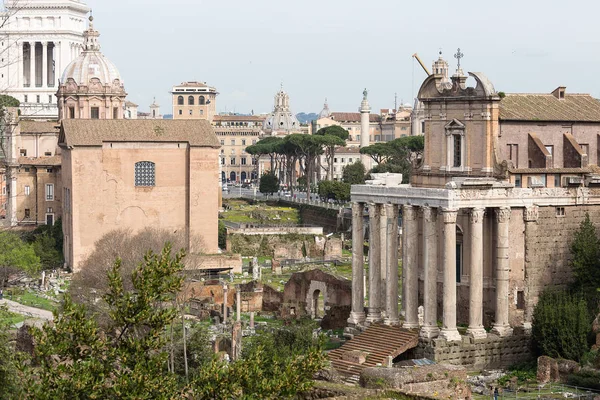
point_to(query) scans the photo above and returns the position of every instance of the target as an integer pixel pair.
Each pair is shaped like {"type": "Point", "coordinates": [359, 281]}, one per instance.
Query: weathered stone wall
{"type": "Point", "coordinates": [302, 288]}
{"type": "Point", "coordinates": [429, 381]}
{"type": "Point", "coordinates": [256, 296]}
{"type": "Point", "coordinates": [292, 246]}
{"type": "Point", "coordinates": [199, 262]}
{"type": "Point", "coordinates": [331, 219]}
{"type": "Point", "coordinates": [492, 352]}
{"type": "Point", "coordinates": [547, 249]}
{"type": "Point", "coordinates": [316, 216]}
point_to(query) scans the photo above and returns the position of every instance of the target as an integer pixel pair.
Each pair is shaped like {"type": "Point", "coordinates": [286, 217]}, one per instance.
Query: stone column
{"type": "Point", "coordinates": [44, 65]}
{"type": "Point", "coordinates": [476, 276]}
{"type": "Point", "coordinates": [410, 266]}
{"type": "Point", "coordinates": [251, 319]}
{"type": "Point", "coordinates": [383, 256]}
{"type": "Point", "coordinates": [357, 316]}
{"type": "Point", "coordinates": [236, 341]}
{"type": "Point", "coordinates": [449, 331]}
{"type": "Point", "coordinates": [391, 287]}
{"type": "Point", "coordinates": [374, 310]}
{"type": "Point", "coordinates": [20, 64]}
{"type": "Point", "coordinates": [225, 304]}
{"type": "Point", "coordinates": [430, 328]}
{"type": "Point", "coordinates": [238, 304]}
{"type": "Point", "coordinates": [32, 66]}
{"type": "Point", "coordinates": [530, 216]}
{"type": "Point", "coordinates": [501, 326]}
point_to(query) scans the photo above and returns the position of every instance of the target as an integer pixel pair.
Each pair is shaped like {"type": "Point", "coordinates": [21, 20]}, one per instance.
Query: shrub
{"type": "Point", "coordinates": [585, 378]}
{"type": "Point", "coordinates": [561, 324]}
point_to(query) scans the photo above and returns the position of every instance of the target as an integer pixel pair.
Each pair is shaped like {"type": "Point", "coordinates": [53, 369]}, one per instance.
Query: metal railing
{"type": "Point", "coordinates": [543, 392]}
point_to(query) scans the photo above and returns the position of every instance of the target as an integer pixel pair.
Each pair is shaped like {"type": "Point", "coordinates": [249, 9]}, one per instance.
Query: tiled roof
{"type": "Point", "coordinates": [352, 150]}
{"type": "Point", "coordinates": [546, 107]}
{"type": "Point", "coordinates": [88, 132]}
{"type": "Point", "coordinates": [220, 118]}
{"type": "Point", "coordinates": [352, 117]}
{"type": "Point", "coordinates": [130, 104]}
{"type": "Point", "coordinates": [39, 126]}
{"type": "Point", "coordinates": [45, 161]}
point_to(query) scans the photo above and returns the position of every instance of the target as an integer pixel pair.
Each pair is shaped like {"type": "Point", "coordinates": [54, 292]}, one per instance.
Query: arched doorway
{"type": "Point", "coordinates": [243, 176]}
{"type": "Point", "coordinates": [232, 176]}
{"type": "Point", "coordinates": [318, 307]}
{"type": "Point", "coordinates": [253, 176]}
{"type": "Point", "coordinates": [223, 176]}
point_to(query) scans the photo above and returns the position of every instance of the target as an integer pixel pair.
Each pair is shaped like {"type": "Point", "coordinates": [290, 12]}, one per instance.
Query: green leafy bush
{"type": "Point", "coordinates": [585, 378]}
{"type": "Point", "coordinates": [561, 324]}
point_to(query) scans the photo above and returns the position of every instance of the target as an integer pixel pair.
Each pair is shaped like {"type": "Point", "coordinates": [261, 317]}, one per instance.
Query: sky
{"type": "Point", "coordinates": [335, 49]}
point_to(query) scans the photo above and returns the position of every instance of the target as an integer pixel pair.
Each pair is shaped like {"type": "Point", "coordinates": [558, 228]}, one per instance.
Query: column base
{"type": "Point", "coordinates": [502, 330]}
{"type": "Point", "coordinates": [450, 334]}
{"type": "Point", "coordinates": [429, 332]}
{"type": "Point", "coordinates": [477, 333]}
{"type": "Point", "coordinates": [373, 317]}
{"type": "Point", "coordinates": [410, 325]}
{"type": "Point", "coordinates": [391, 321]}
{"type": "Point", "coordinates": [356, 318]}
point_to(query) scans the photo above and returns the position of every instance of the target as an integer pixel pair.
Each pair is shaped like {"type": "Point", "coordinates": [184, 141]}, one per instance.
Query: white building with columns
{"type": "Point", "coordinates": [39, 39]}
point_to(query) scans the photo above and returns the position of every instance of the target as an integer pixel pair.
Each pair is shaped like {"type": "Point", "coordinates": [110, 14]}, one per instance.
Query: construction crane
{"type": "Point", "coordinates": [416, 56]}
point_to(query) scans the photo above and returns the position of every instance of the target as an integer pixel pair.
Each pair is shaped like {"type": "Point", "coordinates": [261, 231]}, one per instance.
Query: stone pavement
{"type": "Point", "coordinates": [32, 312]}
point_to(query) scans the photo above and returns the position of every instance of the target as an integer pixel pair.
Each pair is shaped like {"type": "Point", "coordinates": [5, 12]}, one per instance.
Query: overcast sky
{"type": "Point", "coordinates": [336, 48]}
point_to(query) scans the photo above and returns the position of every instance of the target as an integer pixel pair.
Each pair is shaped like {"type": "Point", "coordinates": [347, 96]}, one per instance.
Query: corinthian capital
{"type": "Point", "coordinates": [503, 214]}
{"type": "Point", "coordinates": [449, 215]}
{"type": "Point", "coordinates": [477, 215]}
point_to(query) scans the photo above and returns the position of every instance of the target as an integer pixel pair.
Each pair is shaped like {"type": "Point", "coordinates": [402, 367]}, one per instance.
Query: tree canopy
{"type": "Point", "coordinates": [16, 255]}
{"type": "Point", "coordinates": [354, 174]}
{"type": "Point", "coordinates": [269, 183]}
{"type": "Point", "coordinates": [333, 136]}
{"type": "Point", "coordinates": [397, 156]}
{"type": "Point", "coordinates": [335, 190]}
{"type": "Point", "coordinates": [77, 359]}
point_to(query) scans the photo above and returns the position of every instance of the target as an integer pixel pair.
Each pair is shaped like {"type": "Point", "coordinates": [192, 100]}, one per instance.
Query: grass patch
{"type": "Point", "coordinates": [10, 318]}
{"type": "Point", "coordinates": [33, 300]}
{"type": "Point", "coordinates": [240, 211]}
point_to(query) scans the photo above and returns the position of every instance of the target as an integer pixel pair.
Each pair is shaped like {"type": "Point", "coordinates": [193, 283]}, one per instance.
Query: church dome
{"type": "Point", "coordinates": [325, 113]}
{"type": "Point", "coordinates": [91, 63]}
{"type": "Point", "coordinates": [282, 119]}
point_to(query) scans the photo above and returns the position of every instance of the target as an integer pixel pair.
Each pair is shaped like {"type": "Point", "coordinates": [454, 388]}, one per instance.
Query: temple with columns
{"type": "Point", "coordinates": [486, 222]}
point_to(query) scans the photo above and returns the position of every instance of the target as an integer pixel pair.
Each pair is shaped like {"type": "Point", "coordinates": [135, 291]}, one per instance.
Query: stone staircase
{"type": "Point", "coordinates": [370, 348]}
